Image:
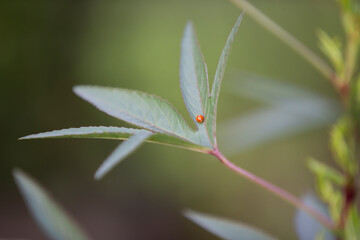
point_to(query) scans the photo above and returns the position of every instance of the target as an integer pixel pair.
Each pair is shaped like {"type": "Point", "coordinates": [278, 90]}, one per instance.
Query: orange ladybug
{"type": "Point", "coordinates": [199, 118]}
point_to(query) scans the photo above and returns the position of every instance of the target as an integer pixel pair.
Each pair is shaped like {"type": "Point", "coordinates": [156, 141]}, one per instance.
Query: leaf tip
{"type": "Point", "coordinates": [99, 174]}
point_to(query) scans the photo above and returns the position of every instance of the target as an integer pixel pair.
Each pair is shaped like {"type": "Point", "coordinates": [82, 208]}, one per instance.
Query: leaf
{"type": "Point", "coordinates": [343, 145]}
{"type": "Point", "coordinates": [332, 49]}
{"type": "Point", "coordinates": [261, 126]}
{"type": "Point", "coordinates": [306, 226]}
{"type": "Point", "coordinates": [122, 151]}
{"type": "Point", "coordinates": [224, 228]}
{"type": "Point", "coordinates": [352, 227]}
{"type": "Point", "coordinates": [141, 109]}
{"type": "Point", "coordinates": [269, 90]}
{"type": "Point", "coordinates": [116, 133]}
{"type": "Point", "coordinates": [292, 110]}
{"type": "Point", "coordinates": [194, 81]}
{"type": "Point", "coordinates": [219, 74]}
{"type": "Point", "coordinates": [48, 214]}
{"type": "Point", "coordinates": [325, 172]}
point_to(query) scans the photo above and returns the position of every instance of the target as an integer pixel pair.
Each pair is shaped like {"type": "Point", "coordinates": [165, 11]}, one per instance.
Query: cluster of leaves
{"type": "Point", "coordinates": [338, 188]}
{"type": "Point", "coordinates": [159, 122]}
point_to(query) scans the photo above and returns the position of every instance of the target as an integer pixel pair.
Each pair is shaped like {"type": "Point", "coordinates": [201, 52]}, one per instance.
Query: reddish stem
{"type": "Point", "coordinates": [288, 197]}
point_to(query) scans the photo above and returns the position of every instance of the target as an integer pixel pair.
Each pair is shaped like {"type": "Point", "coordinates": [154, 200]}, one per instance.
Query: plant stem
{"type": "Point", "coordinates": [288, 197]}
{"type": "Point", "coordinates": [288, 39]}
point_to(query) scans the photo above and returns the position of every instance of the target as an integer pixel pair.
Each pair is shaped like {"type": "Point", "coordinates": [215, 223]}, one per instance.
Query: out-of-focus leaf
{"type": "Point", "coordinates": [268, 90]}
{"type": "Point", "coordinates": [194, 81]}
{"type": "Point", "coordinates": [352, 227]}
{"type": "Point", "coordinates": [292, 110]}
{"type": "Point", "coordinates": [122, 151]}
{"type": "Point", "coordinates": [332, 49]}
{"type": "Point", "coordinates": [325, 172]}
{"type": "Point", "coordinates": [343, 145]}
{"type": "Point", "coordinates": [141, 109]}
{"type": "Point", "coordinates": [306, 226]}
{"type": "Point", "coordinates": [224, 228]}
{"type": "Point", "coordinates": [219, 74]}
{"type": "Point", "coordinates": [264, 125]}
{"type": "Point", "coordinates": [325, 184]}
{"type": "Point", "coordinates": [116, 133]}
{"type": "Point", "coordinates": [54, 222]}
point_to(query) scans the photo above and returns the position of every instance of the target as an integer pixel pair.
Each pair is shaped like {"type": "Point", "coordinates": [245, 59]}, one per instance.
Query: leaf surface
{"type": "Point", "coordinates": [122, 151]}
{"type": "Point", "coordinates": [141, 109]}
{"type": "Point", "coordinates": [224, 228]}
{"type": "Point", "coordinates": [194, 81]}
{"type": "Point", "coordinates": [53, 221]}
{"type": "Point", "coordinates": [115, 133]}
{"type": "Point", "coordinates": [219, 74]}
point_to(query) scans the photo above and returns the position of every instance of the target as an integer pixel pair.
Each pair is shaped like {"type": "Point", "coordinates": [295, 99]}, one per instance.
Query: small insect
{"type": "Point", "coordinates": [199, 118]}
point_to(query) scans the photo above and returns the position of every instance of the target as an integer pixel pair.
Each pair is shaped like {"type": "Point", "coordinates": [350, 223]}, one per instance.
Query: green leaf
{"type": "Point", "coordinates": [224, 228]}
{"type": "Point", "coordinates": [306, 226]}
{"type": "Point", "coordinates": [343, 145]}
{"type": "Point", "coordinates": [352, 227]}
{"type": "Point", "coordinates": [292, 110]}
{"type": "Point", "coordinates": [333, 50]}
{"type": "Point", "coordinates": [271, 91]}
{"type": "Point", "coordinates": [258, 127]}
{"type": "Point", "coordinates": [194, 81]}
{"type": "Point", "coordinates": [219, 74]}
{"type": "Point", "coordinates": [87, 132]}
{"type": "Point", "coordinates": [116, 133]}
{"type": "Point", "coordinates": [326, 172]}
{"type": "Point", "coordinates": [54, 222]}
{"type": "Point", "coordinates": [141, 109]}
{"type": "Point", "coordinates": [122, 151]}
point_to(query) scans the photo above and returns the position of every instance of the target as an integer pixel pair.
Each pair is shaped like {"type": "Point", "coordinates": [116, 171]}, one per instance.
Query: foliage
{"type": "Point", "coordinates": [159, 122]}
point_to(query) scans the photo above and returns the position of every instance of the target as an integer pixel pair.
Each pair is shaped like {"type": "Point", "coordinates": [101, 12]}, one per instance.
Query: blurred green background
{"type": "Point", "coordinates": [47, 47]}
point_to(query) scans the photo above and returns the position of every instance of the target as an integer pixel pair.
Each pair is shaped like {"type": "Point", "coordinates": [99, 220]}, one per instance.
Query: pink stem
{"type": "Point", "coordinates": [274, 189]}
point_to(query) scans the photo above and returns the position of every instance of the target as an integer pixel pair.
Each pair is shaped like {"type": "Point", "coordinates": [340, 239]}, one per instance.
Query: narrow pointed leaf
{"type": "Point", "coordinates": [54, 222]}
{"type": "Point", "coordinates": [115, 133]}
{"type": "Point", "coordinates": [211, 111]}
{"type": "Point", "coordinates": [87, 132]}
{"type": "Point", "coordinates": [261, 126]}
{"type": "Point", "coordinates": [224, 228]}
{"type": "Point", "coordinates": [267, 90]}
{"type": "Point", "coordinates": [194, 81]}
{"type": "Point", "coordinates": [306, 226]}
{"type": "Point", "coordinates": [122, 151]}
{"type": "Point", "coordinates": [141, 109]}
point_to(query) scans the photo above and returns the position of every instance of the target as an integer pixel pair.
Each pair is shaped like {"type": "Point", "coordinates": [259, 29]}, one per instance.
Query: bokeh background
{"type": "Point", "coordinates": [47, 47]}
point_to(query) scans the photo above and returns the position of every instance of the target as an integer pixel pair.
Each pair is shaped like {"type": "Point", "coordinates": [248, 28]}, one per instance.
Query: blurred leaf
{"type": "Point", "coordinates": [262, 126]}
{"type": "Point", "coordinates": [51, 218]}
{"type": "Point", "coordinates": [141, 109]}
{"type": "Point", "coordinates": [224, 228]}
{"type": "Point", "coordinates": [325, 179]}
{"type": "Point", "coordinates": [342, 145]}
{"type": "Point", "coordinates": [333, 50]}
{"type": "Point", "coordinates": [352, 227]}
{"type": "Point", "coordinates": [306, 226]}
{"type": "Point", "coordinates": [122, 151]}
{"type": "Point", "coordinates": [325, 172]}
{"type": "Point", "coordinates": [116, 133]}
{"type": "Point", "coordinates": [194, 81]}
{"type": "Point", "coordinates": [292, 110]}
{"type": "Point", "coordinates": [355, 99]}
{"type": "Point", "coordinates": [271, 91]}
{"type": "Point", "coordinates": [219, 74]}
